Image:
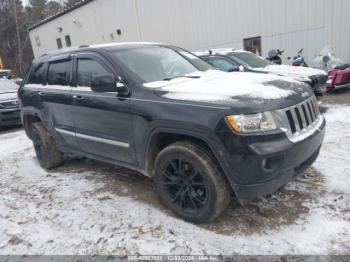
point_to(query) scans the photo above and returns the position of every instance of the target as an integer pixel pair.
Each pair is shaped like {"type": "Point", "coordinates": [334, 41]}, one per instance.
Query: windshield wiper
{"type": "Point", "coordinates": [171, 78]}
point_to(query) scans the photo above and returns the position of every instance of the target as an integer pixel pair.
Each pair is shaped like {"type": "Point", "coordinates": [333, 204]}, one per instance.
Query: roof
{"type": "Point", "coordinates": [63, 12]}
{"type": "Point", "coordinates": [220, 51]}
{"type": "Point", "coordinates": [89, 47]}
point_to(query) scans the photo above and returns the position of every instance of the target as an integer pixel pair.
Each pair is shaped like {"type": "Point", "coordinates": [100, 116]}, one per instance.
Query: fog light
{"type": "Point", "coordinates": [266, 165]}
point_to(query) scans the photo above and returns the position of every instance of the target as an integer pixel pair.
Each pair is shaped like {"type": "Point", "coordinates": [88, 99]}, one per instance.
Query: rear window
{"type": "Point", "coordinates": [59, 73]}
{"type": "Point", "coordinates": [36, 75]}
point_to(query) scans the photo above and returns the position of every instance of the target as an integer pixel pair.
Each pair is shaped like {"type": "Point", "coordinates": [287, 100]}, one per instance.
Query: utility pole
{"type": "Point", "coordinates": [19, 45]}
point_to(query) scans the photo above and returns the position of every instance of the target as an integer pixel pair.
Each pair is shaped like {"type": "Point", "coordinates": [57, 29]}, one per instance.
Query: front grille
{"type": "Point", "coordinates": [303, 115]}
{"type": "Point", "coordinates": [318, 80]}
{"type": "Point", "coordinates": [9, 104]}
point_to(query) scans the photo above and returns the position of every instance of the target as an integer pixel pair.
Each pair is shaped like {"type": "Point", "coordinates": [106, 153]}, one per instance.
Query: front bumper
{"type": "Point", "coordinates": [9, 117]}
{"type": "Point", "coordinates": [318, 84]}
{"type": "Point", "coordinates": [261, 165]}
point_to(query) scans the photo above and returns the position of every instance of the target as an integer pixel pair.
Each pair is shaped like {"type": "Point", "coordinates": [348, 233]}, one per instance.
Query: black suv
{"type": "Point", "coordinates": [203, 135]}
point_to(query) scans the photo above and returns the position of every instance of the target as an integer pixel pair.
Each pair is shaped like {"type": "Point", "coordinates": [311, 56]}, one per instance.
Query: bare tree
{"type": "Point", "coordinates": [19, 45]}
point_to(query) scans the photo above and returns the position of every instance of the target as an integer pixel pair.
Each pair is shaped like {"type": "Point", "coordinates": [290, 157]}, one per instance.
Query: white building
{"type": "Point", "coordinates": [202, 24]}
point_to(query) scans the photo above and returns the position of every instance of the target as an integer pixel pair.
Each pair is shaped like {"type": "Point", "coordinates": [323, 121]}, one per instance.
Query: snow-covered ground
{"type": "Point", "coordinates": [87, 207]}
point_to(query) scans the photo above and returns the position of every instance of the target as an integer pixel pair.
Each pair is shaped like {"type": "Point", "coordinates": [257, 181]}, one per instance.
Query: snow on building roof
{"type": "Point", "coordinates": [64, 11]}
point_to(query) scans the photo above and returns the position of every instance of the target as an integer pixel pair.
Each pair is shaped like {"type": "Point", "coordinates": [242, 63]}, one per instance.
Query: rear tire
{"type": "Point", "coordinates": [190, 182]}
{"type": "Point", "coordinates": [45, 147]}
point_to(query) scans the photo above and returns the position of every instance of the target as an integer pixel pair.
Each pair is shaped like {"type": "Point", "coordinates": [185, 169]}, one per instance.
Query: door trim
{"type": "Point", "coordinates": [94, 138]}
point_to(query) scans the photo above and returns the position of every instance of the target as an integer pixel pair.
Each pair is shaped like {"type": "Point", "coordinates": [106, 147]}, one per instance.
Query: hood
{"type": "Point", "coordinates": [244, 90]}
{"type": "Point", "coordinates": [296, 72]}
{"type": "Point", "coordinates": [8, 90]}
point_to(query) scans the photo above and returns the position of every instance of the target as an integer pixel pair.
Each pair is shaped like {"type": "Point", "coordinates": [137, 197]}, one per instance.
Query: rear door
{"type": "Point", "coordinates": [102, 120]}
{"type": "Point", "coordinates": [58, 97]}
{"type": "Point", "coordinates": [50, 87]}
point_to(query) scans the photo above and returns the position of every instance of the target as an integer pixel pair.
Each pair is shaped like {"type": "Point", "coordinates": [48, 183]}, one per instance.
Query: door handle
{"type": "Point", "coordinates": [76, 97]}
{"type": "Point", "coordinates": [42, 94]}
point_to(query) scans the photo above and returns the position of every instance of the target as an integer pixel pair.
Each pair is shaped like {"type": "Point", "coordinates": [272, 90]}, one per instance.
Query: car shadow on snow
{"type": "Point", "coordinates": [264, 214]}
{"type": "Point", "coordinates": [10, 129]}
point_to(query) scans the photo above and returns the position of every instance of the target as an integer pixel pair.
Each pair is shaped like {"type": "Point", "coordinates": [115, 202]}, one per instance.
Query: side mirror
{"type": "Point", "coordinates": [237, 69]}
{"type": "Point", "coordinates": [103, 83]}
{"type": "Point", "coordinates": [122, 89]}
{"type": "Point", "coordinates": [234, 69]}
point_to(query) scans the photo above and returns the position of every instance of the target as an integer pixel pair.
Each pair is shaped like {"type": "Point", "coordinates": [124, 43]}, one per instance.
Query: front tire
{"type": "Point", "coordinates": [45, 147]}
{"type": "Point", "coordinates": [190, 182]}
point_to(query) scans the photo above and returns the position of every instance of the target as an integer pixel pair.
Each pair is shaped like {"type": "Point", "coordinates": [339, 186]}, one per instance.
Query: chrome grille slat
{"type": "Point", "coordinates": [316, 107]}
{"type": "Point", "coordinates": [306, 114]}
{"type": "Point", "coordinates": [295, 119]}
{"type": "Point", "coordinates": [302, 116]}
{"type": "Point", "coordinates": [312, 117]}
{"type": "Point", "coordinates": [313, 108]}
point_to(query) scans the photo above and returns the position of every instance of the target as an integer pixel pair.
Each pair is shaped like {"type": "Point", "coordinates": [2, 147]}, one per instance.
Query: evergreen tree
{"type": "Point", "coordinates": [15, 46]}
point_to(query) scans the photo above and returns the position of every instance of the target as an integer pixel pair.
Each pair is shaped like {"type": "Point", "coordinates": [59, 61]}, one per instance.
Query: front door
{"type": "Point", "coordinates": [102, 120]}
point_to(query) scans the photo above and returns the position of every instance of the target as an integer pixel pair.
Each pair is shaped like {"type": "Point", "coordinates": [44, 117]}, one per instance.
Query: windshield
{"type": "Point", "coordinates": [7, 86]}
{"type": "Point", "coordinates": [157, 63]}
{"type": "Point", "coordinates": [250, 60]}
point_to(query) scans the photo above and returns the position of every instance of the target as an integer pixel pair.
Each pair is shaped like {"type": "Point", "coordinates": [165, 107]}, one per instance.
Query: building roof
{"type": "Point", "coordinates": [63, 12]}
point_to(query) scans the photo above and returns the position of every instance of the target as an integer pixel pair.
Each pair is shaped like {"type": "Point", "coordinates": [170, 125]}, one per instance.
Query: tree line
{"type": "Point", "coordinates": [15, 19]}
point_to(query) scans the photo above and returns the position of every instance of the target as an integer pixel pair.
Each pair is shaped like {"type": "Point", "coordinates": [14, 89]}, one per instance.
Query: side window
{"type": "Point", "coordinates": [253, 45]}
{"type": "Point", "coordinates": [59, 43]}
{"type": "Point", "coordinates": [221, 63]}
{"type": "Point", "coordinates": [87, 69]}
{"type": "Point", "coordinates": [59, 73]}
{"type": "Point", "coordinates": [36, 75]}
{"type": "Point", "coordinates": [68, 42]}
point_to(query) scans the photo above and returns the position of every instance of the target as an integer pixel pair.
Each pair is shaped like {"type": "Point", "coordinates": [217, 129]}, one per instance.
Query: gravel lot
{"type": "Point", "coordinates": [88, 207]}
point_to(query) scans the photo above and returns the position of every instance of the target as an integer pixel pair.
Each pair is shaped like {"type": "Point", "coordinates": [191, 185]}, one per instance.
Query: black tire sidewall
{"type": "Point", "coordinates": [38, 139]}
{"type": "Point", "coordinates": [53, 157]}
{"type": "Point", "coordinates": [207, 171]}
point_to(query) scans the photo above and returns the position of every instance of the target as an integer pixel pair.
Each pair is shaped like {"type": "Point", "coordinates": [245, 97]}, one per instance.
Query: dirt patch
{"type": "Point", "coordinates": [9, 129]}
{"type": "Point", "coordinates": [339, 97]}
{"type": "Point", "coordinates": [267, 213]}
{"type": "Point", "coordinates": [272, 212]}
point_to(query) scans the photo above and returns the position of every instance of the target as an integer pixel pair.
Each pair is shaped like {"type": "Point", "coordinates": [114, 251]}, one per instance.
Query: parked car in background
{"type": "Point", "coordinates": [231, 59]}
{"type": "Point", "coordinates": [5, 73]}
{"type": "Point", "coordinates": [199, 133]}
{"type": "Point", "coordinates": [17, 80]}
{"type": "Point", "coordinates": [9, 105]}
{"type": "Point", "coordinates": [339, 78]}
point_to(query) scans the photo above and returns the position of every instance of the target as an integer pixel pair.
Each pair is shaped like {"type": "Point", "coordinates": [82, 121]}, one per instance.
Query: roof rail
{"type": "Point", "coordinates": [83, 46]}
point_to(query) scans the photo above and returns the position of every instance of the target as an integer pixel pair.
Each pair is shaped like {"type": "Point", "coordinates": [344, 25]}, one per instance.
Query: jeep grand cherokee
{"type": "Point", "coordinates": [204, 136]}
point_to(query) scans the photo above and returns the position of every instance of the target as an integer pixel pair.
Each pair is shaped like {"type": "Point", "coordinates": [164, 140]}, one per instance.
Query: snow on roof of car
{"type": "Point", "coordinates": [220, 51]}
{"type": "Point", "coordinates": [105, 45]}
{"type": "Point", "coordinates": [124, 44]}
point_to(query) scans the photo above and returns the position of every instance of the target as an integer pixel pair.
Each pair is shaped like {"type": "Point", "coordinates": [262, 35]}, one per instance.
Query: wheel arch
{"type": "Point", "coordinates": [161, 138]}
{"type": "Point", "coordinates": [28, 118]}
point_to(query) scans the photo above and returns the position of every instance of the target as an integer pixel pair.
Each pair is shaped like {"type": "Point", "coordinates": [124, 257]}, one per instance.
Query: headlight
{"type": "Point", "coordinates": [330, 80]}
{"type": "Point", "coordinates": [252, 123]}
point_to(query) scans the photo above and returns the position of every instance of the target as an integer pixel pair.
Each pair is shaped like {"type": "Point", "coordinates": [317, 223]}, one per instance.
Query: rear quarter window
{"type": "Point", "coordinates": [36, 74]}
{"type": "Point", "coordinates": [59, 73]}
